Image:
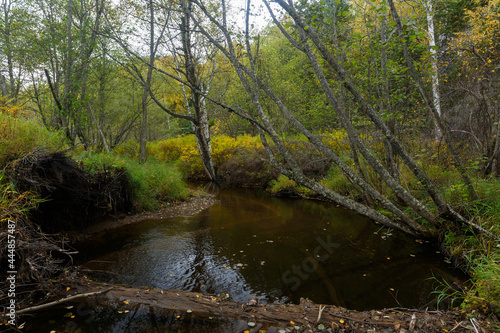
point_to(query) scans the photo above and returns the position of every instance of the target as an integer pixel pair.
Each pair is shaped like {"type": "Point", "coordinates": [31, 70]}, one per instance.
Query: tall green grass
{"type": "Point", "coordinates": [153, 183]}
{"type": "Point", "coordinates": [19, 136]}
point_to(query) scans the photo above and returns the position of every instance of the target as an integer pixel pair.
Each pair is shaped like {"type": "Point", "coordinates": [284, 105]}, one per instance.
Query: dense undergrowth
{"type": "Point", "coordinates": [242, 161]}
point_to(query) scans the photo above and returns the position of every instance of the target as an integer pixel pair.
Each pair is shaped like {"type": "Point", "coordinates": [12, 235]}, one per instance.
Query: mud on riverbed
{"type": "Point", "coordinates": [194, 204]}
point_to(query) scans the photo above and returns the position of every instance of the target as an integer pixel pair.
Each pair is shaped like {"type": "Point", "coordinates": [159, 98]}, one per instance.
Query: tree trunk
{"type": "Point", "coordinates": [200, 127]}
{"type": "Point", "coordinates": [434, 61]}
{"type": "Point", "coordinates": [147, 83]}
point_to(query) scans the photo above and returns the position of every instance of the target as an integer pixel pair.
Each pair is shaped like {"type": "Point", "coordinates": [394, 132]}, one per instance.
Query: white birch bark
{"type": "Point", "coordinates": [434, 62]}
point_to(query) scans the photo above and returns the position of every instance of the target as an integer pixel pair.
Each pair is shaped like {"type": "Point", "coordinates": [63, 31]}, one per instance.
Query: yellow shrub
{"type": "Point", "coordinates": [185, 150]}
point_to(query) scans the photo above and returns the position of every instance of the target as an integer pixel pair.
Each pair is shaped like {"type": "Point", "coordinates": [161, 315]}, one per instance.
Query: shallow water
{"type": "Point", "coordinates": [254, 245]}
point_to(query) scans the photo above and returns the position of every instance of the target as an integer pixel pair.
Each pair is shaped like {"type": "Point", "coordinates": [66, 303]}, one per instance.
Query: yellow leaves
{"type": "Point", "coordinates": [7, 107]}
{"type": "Point", "coordinates": [481, 35]}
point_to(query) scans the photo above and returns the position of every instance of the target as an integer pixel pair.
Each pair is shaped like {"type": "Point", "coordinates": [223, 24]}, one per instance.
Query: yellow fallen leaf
{"type": "Point", "coordinates": [68, 288]}
{"type": "Point", "coordinates": [341, 321]}
{"type": "Point", "coordinates": [73, 316]}
{"type": "Point", "coordinates": [291, 322]}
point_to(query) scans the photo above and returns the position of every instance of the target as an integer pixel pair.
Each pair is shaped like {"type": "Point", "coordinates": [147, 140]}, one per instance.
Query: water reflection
{"type": "Point", "coordinates": [251, 244]}
{"type": "Point", "coordinates": [91, 317]}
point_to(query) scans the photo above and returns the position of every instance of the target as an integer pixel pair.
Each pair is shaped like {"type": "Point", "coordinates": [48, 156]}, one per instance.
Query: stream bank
{"type": "Point", "coordinates": [178, 309]}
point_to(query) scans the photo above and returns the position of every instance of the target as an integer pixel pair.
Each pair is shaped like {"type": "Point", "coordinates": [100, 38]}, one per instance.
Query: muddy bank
{"type": "Point", "coordinates": [253, 317]}
{"type": "Point", "coordinates": [193, 205]}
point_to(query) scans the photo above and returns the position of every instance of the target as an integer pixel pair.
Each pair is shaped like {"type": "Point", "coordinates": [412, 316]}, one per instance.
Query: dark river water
{"type": "Point", "coordinates": [253, 245]}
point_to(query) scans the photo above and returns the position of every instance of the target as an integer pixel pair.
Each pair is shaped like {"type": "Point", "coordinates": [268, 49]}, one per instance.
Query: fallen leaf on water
{"type": "Point", "coordinates": [68, 314]}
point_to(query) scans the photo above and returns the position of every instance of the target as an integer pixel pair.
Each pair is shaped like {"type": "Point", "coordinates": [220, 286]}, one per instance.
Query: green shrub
{"type": "Point", "coordinates": [129, 149]}
{"type": "Point", "coordinates": [336, 181]}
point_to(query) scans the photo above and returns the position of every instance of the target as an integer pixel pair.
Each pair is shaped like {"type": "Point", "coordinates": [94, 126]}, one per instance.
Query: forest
{"type": "Point", "coordinates": [388, 108]}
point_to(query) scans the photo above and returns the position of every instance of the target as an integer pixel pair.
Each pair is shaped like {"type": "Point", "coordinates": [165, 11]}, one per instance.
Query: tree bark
{"type": "Point", "coordinates": [147, 83]}
{"type": "Point", "coordinates": [200, 127]}
{"type": "Point", "coordinates": [434, 62]}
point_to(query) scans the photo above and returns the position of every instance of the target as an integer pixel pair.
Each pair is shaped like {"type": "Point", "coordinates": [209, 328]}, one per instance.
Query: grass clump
{"type": "Point", "coordinates": [153, 183]}
{"type": "Point", "coordinates": [19, 136]}
{"type": "Point", "coordinates": [485, 295]}
{"type": "Point", "coordinates": [284, 186]}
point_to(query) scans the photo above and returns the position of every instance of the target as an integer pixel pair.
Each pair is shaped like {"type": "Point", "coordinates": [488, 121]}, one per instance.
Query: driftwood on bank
{"type": "Point", "coordinates": [306, 315]}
